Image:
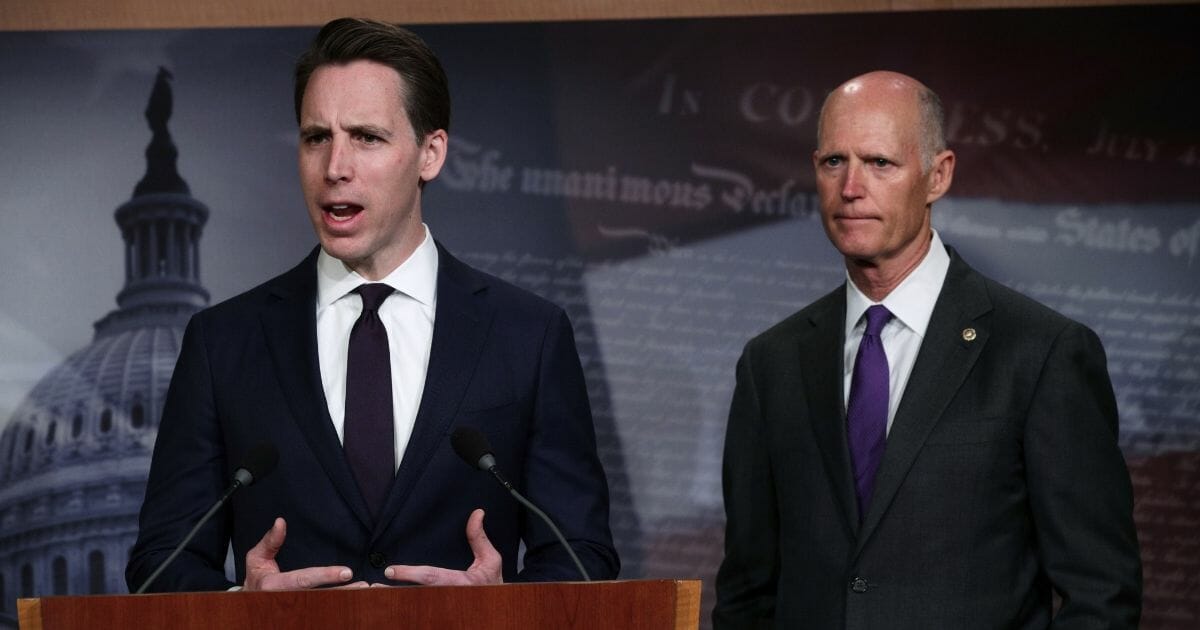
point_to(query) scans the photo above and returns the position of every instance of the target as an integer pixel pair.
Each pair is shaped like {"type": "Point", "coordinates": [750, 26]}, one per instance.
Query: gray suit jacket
{"type": "Point", "coordinates": [1001, 481]}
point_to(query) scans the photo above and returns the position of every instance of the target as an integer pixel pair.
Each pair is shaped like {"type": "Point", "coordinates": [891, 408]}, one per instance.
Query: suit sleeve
{"type": "Point", "coordinates": [187, 476]}
{"type": "Point", "coordinates": [746, 582]}
{"type": "Point", "coordinates": [1079, 488]}
{"type": "Point", "coordinates": [563, 474]}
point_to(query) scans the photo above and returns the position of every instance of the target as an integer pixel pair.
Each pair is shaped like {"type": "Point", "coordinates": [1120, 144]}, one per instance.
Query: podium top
{"type": "Point", "coordinates": [614, 605]}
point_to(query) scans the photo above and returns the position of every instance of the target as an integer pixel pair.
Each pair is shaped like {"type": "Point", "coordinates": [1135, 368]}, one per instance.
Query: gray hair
{"type": "Point", "coordinates": [933, 126]}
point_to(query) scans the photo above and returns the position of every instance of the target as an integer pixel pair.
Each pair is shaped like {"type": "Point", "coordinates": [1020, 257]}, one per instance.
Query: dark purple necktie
{"type": "Point", "coordinates": [867, 411]}
{"type": "Point", "coordinates": [368, 436]}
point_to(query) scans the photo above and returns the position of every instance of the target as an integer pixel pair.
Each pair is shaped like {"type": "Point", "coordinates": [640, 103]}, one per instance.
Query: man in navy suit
{"type": "Point", "coordinates": [922, 447]}
{"type": "Point", "coordinates": [464, 349]}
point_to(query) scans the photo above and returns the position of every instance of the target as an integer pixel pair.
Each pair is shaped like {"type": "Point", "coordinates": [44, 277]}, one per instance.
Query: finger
{"type": "Point", "coordinates": [425, 575]}
{"type": "Point", "coordinates": [481, 546]}
{"type": "Point", "coordinates": [271, 542]}
{"type": "Point", "coordinates": [260, 559]}
{"type": "Point", "coordinates": [475, 524]}
{"type": "Point", "coordinates": [310, 577]}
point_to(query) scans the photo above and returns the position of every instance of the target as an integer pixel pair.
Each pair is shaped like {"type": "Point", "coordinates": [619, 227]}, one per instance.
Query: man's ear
{"type": "Point", "coordinates": [433, 154]}
{"type": "Point", "coordinates": [940, 175]}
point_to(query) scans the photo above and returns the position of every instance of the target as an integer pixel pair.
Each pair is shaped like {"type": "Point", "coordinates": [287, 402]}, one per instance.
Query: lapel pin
{"type": "Point", "coordinates": [968, 334]}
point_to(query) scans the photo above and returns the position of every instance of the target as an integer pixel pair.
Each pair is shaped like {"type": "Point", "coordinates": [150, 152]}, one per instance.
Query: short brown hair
{"type": "Point", "coordinates": [426, 91]}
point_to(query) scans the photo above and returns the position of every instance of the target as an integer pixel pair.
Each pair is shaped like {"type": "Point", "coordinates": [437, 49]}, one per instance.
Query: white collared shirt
{"type": "Point", "coordinates": [911, 304]}
{"type": "Point", "coordinates": [408, 317]}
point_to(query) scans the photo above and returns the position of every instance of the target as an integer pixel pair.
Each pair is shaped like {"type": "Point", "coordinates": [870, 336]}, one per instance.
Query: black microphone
{"type": "Point", "coordinates": [472, 446]}
{"type": "Point", "coordinates": [258, 463]}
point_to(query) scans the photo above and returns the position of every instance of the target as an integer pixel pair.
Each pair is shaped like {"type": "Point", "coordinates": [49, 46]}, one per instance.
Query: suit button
{"type": "Point", "coordinates": [377, 560]}
{"type": "Point", "coordinates": [858, 585]}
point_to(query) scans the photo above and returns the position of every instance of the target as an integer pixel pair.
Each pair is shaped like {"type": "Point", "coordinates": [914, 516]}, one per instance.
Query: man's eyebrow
{"type": "Point", "coordinates": [364, 129]}
{"type": "Point", "coordinates": [309, 130]}
{"type": "Point", "coordinates": [370, 130]}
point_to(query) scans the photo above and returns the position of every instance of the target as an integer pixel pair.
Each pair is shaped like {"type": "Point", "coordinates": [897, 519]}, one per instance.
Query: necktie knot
{"type": "Point", "coordinates": [877, 317]}
{"type": "Point", "coordinates": [373, 295]}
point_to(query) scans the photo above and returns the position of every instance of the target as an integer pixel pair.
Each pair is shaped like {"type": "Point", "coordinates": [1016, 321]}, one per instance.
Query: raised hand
{"type": "Point", "coordinates": [487, 568]}
{"type": "Point", "coordinates": [263, 574]}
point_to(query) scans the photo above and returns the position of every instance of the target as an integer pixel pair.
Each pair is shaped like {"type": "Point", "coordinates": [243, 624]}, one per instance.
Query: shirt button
{"type": "Point", "coordinates": [858, 585]}
{"type": "Point", "coordinates": [377, 560]}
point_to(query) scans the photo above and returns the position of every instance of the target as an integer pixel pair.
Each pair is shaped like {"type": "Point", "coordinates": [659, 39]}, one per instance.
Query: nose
{"type": "Point", "coordinates": [339, 165]}
{"type": "Point", "coordinates": [852, 183]}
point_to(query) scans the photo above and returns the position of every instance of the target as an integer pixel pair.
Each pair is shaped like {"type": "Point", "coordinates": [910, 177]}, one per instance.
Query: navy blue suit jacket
{"type": "Point", "coordinates": [502, 360]}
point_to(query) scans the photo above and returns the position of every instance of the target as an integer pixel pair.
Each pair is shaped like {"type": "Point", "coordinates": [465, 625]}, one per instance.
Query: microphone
{"type": "Point", "coordinates": [472, 446]}
{"type": "Point", "coordinates": [258, 463]}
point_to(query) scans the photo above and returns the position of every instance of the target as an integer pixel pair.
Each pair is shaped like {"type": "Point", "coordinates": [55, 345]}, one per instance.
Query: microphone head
{"type": "Point", "coordinates": [472, 446]}
{"type": "Point", "coordinates": [259, 461]}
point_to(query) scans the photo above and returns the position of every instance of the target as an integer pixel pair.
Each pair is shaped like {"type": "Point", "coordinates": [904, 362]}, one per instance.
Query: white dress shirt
{"type": "Point", "coordinates": [408, 317]}
{"type": "Point", "coordinates": [911, 304]}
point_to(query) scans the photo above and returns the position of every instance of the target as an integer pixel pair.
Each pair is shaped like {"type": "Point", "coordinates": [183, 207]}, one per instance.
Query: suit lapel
{"type": "Point", "coordinates": [290, 328]}
{"type": "Point", "coordinates": [822, 376]}
{"type": "Point", "coordinates": [461, 324]}
{"type": "Point", "coordinates": [943, 362]}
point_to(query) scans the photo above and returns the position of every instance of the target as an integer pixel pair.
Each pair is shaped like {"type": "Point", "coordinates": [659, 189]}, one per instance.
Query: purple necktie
{"type": "Point", "coordinates": [866, 414]}
{"type": "Point", "coordinates": [368, 437]}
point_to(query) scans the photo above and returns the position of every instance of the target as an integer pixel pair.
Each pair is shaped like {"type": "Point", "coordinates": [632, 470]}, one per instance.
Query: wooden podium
{"type": "Point", "coordinates": [617, 605]}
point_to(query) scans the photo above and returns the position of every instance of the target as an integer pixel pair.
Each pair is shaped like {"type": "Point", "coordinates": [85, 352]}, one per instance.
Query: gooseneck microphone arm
{"type": "Point", "coordinates": [545, 518]}
{"type": "Point", "coordinates": [472, 446]}
{"type": "Point", "coordinates": [259, 462]}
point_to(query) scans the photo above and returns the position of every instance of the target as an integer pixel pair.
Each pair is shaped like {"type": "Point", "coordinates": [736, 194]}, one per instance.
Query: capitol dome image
{"type": "Point", "coordinates": [75, 454]}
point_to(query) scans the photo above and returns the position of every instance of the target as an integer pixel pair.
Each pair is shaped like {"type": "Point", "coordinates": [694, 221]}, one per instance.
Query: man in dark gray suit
{"type": "Point", "coordinates": [922, 447]}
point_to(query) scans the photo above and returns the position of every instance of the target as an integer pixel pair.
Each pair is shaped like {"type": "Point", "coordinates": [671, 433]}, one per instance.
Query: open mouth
{"type": "Point", "coordinates": [341, 211]}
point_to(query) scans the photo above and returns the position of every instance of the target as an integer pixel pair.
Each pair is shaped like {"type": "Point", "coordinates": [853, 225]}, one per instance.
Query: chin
{"type": "Point", "coordinates": [856, 248]}
{"type": "Point", "coordinates": [339, 248]}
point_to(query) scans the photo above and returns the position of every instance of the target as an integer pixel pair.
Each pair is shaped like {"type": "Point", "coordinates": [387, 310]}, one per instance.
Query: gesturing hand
{"type": "Point", "coordinates": [263, 574]}
{"type": "Point", "coordinates": [487, 568]}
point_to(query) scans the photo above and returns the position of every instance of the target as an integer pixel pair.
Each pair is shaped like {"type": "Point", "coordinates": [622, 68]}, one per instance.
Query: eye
{"type": "Point", "coordinates": [314, 138]}
{"type": "Point", "coordinates": [880, 162]}
{"type": "Point", "coordinates": [369, 138]}
{"type": "Point", "coordinates": [833, 161]}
